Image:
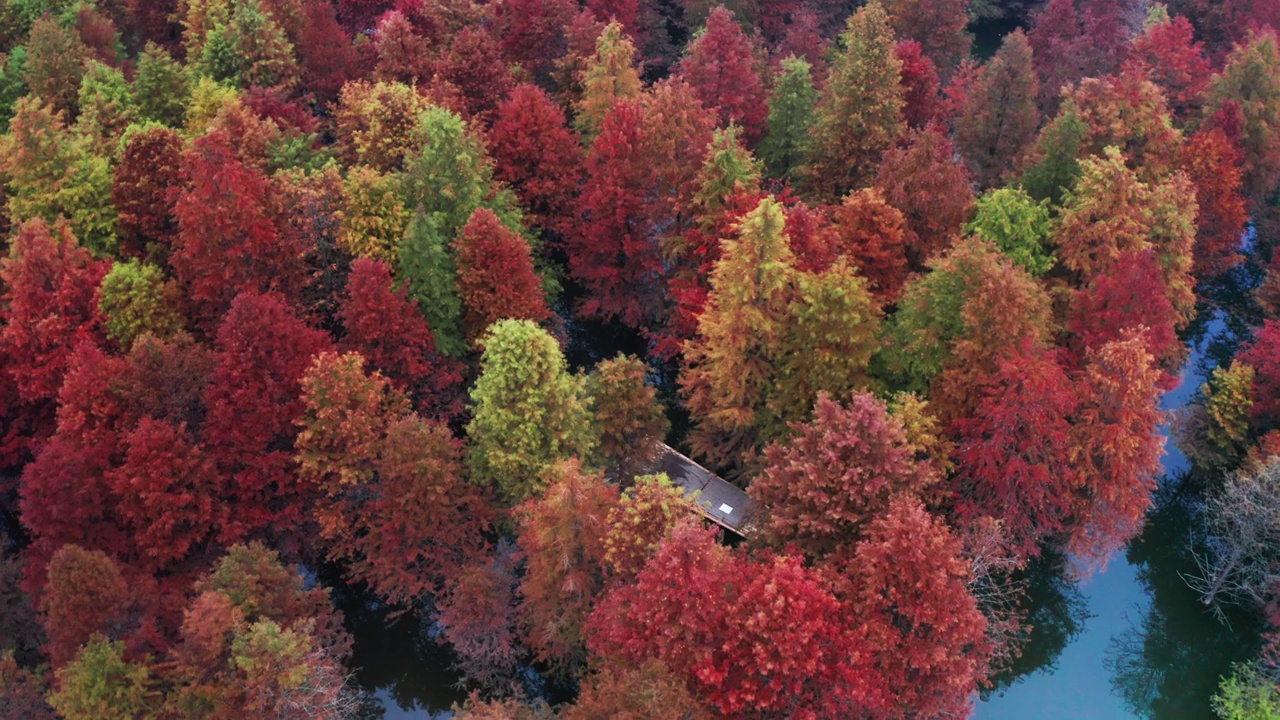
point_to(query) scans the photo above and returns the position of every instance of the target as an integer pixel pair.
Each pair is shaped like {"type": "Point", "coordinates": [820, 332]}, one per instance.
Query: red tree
{"type": "Point", "coordinates": [924, 628]}
{"type": "Point", "coordinates": [938, 25]}
{"type": "Point", "coordinates": [473, 63]}
{"type": "Point", "coordinates": [1060, 48]}
{"type": "Point", "coordinates": [921, 85]}
{"type": "Point", "coordinates": [389, 331]}
{"type": "Point", "coordinates": [614, 252]}
{"type": "Point", "coordinates": [794, 658]}
{"type": "Point", "coordinates": [496, 280]}
{"type": "Point", "coordinates": [836, 474]}
{"type": "Point", "coordinates": [325, 51]}
{"type": "Point", "coordinates": [1118, 445]}
{"type": "Point", "coordinates": [147, 175]}
{"type": "Point", "coordinates": [86, 594]}
{"type": "Point", "coordinates": [720, 67]}
{"type": "Point", "coordinates": [531, 33]}
{"type": "Point", "coordinates": [873, 234]}
{"type": "Point", "coordinates": [1130, 296]}
{"type": "Point", "coordinates": [253, 401]}
{"type": "Point", "coordinates": [932, 190]}
{"type": "Point", "coordinates": [1210, 161]}
{"type": "Point", "coordinates": [231, 238]}
{"type": "Point", "coordinates": [1175, 61]}
{"type": "Point", "coordinates": [1263, 353]}
{"type": "Point", "coordinates": [1013, 456]}
{"type": "Point", "coordinates": [168, 490]}
{"type": "Point", "coordinates": [536, 153]}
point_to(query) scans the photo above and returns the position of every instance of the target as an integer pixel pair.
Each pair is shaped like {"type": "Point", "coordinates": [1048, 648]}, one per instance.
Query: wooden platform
{"type": "Point", "coordinates": [716, 499]}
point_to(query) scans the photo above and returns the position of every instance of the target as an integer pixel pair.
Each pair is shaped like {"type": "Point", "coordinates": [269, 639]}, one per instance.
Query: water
{"type": "Point", "coordinates": [1133, 641]}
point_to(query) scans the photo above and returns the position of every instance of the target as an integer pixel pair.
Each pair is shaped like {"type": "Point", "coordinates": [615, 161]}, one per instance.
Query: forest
{"type": "Point", "coordinates": [404, 300]}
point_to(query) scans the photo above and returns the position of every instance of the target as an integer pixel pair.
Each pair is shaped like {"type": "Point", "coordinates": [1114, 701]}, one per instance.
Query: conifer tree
{"type": "Point", "coordinates": [135, 299]}
{"type": "Point", "coordinates": [791, 113]}
{"type": "Point", "coordinates": [1018, 225]}
{"type": "Point", "coordinates": [1251, 80]}
{"type": "Point", "coordinates": [538, 156]}
{"type": "Point", "coordinates": [529, 412]}
{"type": "Point", "coordinates": [720, 68]}
{"type": "Point", "coordinates": [1052, 164]}
{"type": "Point", "coordinates": [609, 76]}
{"type": "Point", "coordinates": [495, 276]}
{"type": "Point", "coordinates": [932, 190]}
{"type": "Point", "coordinates": [860, 112]}
{"type": "Point", "coordinates": [999, 118]}
{"type": "Point", "coordinates": [922, 101]}
{"type": "Point", "coordinates": [149, 167]}
{"type": "Point", "coordinates": [429, 274]}
{"type": "Point", "coordinates": [161, 87]}
{"type": "Point", "coordinates": [938, 25]}
{"type": "Point", "coordinates": [730, 365]}
{"type": "Point", "coordinates": [627, 413]}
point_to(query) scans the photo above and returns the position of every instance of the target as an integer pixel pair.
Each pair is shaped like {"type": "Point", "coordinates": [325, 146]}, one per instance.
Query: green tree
{"type": "Point", "coordinates": [161, 87]}
{"type": "Point", "coordinates": [135, 299]}
{"type": "Point", "coordinates": [429, 273]}
{"type": "Point", "coordinates": [1248, 694]}
{"type": "Point", "coordinates": [106, 107]}
{"type": "Point", "coordinates": [450, 175]}
{"type": "Point", "coordinates": [860, 113]}
{"type": "Point", "coordinates": [730, 363]}
{"type": "Point", "coordinates": [1018, 225]}
{"type": "Point", "coordinates": [529, 412]}
{"type": "Point", "coordinates": [1053, 162]}
{"type": "Point", "coordinates": [1251, 79]}
{"type": "Point", "coordinates": [791, 115]}
{"type": "Point", "coordinates": [609, 75]}
{"type": "Point", "coordinates": [100, 685]}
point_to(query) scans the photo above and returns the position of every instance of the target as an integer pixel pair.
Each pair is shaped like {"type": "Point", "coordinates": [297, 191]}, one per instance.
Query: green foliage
{"type": "Point", "coordinates": [1054, 159]}
{"type": "Point", "coordinates": [643, 518]}
{"type": "Point", "coordinates": [1018, 225]}
{"type": "Point", "coordinates": [429, 273]}
{"type": "Point", "coordinates": [100, 685]}
{"type": "Point", "coordinates": [791, 115]}
{"type": "Point", "coordinates": [728, 166]}
{"type": "Point", "coordinates": [207, 98]}
{"type": "Point", "coordinates": [1248, 694]}
{"type": "Point", "coordinates": [450, 176]}
{"type": "Point", "coordinates": [13, 83]}
{"type": "Point", "coordinates": [1251, 79]}
{"type": "Point", "coordinates": [161, 87]}
{"type": "Point", "coordinates": [610, 75]}
{"type": "Point", "coordinates": [52, 173]}
{"type": "Point", "coordinates": [106, 106]}
{"type": "Point", "coordinates": [1215, 434]}
{"type": "Point", "coordinates": [247, 48]}
{"type": "Point", "coordinates": [627, 414]}
{"type": "Point", "coordinates": [133, 298]}
{"type": "Point", "coordinates": [529, 412]}
{"type": "Point", "coordinates": [860, 113]}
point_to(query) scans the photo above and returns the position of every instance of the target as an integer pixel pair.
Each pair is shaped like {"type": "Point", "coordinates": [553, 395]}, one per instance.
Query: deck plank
{"type": "Point", "coordinates": [716, 499]}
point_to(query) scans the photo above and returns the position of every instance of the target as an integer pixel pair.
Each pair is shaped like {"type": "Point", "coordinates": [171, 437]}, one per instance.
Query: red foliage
{"type": "Point", "coordinates": [1118, 446]}
{"type": "Point", "coordinates": [146, 180]}
{"type": "Point", "coordinates": [536, 153]}
{"type": "Point", "coordinates": [389, 331]}
{"type": "Point", "coordinates": [615, 252]}
{"type": "Point", "coordinates": [1059, 48]}
{"type": "Point", "coordinates": [626, 12]}
{"type": "Point", "coordinates": [939, 26]}
{"type": "Point", "coordinates": [1175, 61]}
{"type": "Point", "coordinates": [1263, 353]}
{"type": "Point", "coordinates": [720, 67]}
{"type": "Point", "coordinates": [924, 181]}
{"type": "Point", "coordinates": [403, 54]}
{"type": "Point", "coordinates": [1130, 296]}
{"type": "Point", "coordinates": [531, 33]}
{"type": "Point", "coordinates": [804, 39]}
{"type": "Point", "coordinates": [326, 55]}
{"type": "Point", "coordinates": [873, 235]}
{"type": "Point", "coordinates": [496, 280]}
{"type": "Point", "coordinates": [921, 85]}
{"type": "Point", "coordinates": [358, 15]}
{"type": "Point", "coordinates": [22, 692]}
{"type": "Point", "coordinates": [56, 515]}
{"type": "Point", "coordinates": [473, 63]}
{"type": "Point", "coordinates": [815, 241]}
{"type": "Point", "coordinates": [167, 488]}
{"type": "Point", "coordinates": [1014, 456]}
{"type": "Point", "coordinates": [1210, 161]}
{"type": "Point", "coordinates": [924, 627]}
{"type": "Point", "coordinates": [795, 658]}
{"type": "Point", "coordinates": [86, 594]}
{"type": "Point", "coordinates": [836, 474]}
{"type": "Point", "coordinates": [478, 618]}
{"type": "Point", "coordinates": [253, 401]}
{"type": "Point", "coordinates": [49, 306]}
{"type": "Point", "coordinates": [231, 236]}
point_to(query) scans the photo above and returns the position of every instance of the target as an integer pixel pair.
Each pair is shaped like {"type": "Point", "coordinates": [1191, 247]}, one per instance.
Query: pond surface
{"type": "Point", "coordinates": [1132, 641]}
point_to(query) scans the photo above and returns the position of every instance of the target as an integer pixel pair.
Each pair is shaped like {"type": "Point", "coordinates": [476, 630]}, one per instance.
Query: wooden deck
{"type": "Point", "coordinates": [716, 499]}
